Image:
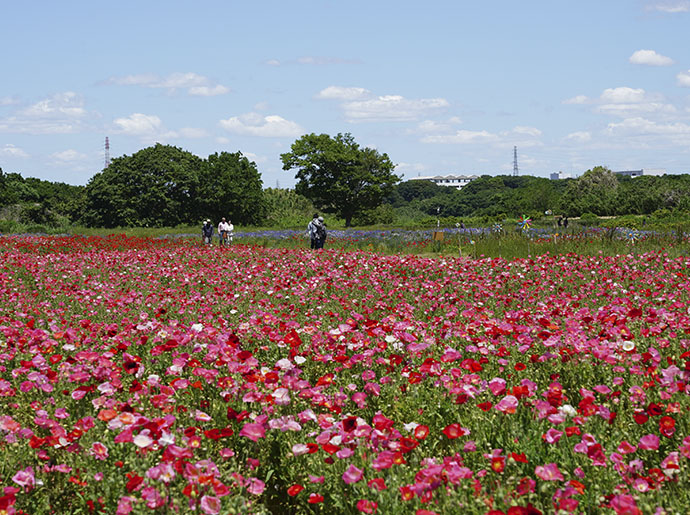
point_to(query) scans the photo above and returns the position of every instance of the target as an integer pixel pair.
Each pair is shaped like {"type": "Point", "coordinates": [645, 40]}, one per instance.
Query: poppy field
{"type": "Point", "coordinates": [146, 375]}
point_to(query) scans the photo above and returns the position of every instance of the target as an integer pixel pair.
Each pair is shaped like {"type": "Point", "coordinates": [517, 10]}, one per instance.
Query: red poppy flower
{"type": "Point", "coordinates": [294, 490]}
{"type": "Point", "coordinates": [453, 431]}
{"type": "Point", "coordinates": [421, 432]}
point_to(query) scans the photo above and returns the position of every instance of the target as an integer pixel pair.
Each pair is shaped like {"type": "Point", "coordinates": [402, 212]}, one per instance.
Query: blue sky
{"type": "Point", "coordinates": [440, 86]}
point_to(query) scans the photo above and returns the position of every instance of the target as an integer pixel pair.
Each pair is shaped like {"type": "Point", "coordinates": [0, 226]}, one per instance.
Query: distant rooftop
{"type": "Point", "coordinates": [452, 180]}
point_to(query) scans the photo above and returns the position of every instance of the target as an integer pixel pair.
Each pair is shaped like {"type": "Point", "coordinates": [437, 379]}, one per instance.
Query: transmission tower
{"type": "Point", "coordinates": [107, 152]}
{"type": "Point", "coordinates": [515, 166]}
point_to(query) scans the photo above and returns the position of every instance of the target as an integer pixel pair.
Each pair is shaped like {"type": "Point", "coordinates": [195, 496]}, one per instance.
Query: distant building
{"type": "Point", "coordinates": [454, 181]}
{"type": "Point", "coordinates": [560, 175]}
{"type": "Point", "coordinates": [644, 171]}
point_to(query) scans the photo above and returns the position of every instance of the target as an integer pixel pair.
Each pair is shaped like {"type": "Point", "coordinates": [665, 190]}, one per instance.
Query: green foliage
{"type": "Point", "coordinates": [163, 186]}
{"type": "Point", "coordinates": [286, 208]}
{"type": "Point", "coordinates": [338, 175]}
{"type": "Point", "coordinates": [230, 186]}
{"type": "Point", "coordinates": [156, 186]}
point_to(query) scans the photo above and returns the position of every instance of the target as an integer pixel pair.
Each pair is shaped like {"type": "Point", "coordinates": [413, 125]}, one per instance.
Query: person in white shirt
{"type": "Point", "coordinates": [223, 231]}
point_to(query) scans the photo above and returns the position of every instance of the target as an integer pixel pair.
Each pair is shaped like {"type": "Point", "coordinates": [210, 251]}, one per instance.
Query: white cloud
{"type": "Point", "coordinates": [343, 93]}
{"type": "Point", "coordinates": [68, 156]}
{"type": "Point", "coordinates": [323, 60]}
{"type": "Point", "coordinates": [10, 150]}
{"type": "Point", "coordinates": [208, 91]}
{"type": "Point", "coordinates": [641, 131]}
{"type": "Point", "coordinates": [67, 104]}
{"type": "Point", "coordinates": [8, 101]}
{"type": "Point", "coordinates": [579, 99]}
{"type": "Point", "coordinates": [623, 95]}
{"type": "Point", "coordinates": [138, 124]}
{"type": "Point", "coordinates": [428, 126]}
{"type": "Point", "coordinates": [273, 62]}
{"type": "Point", "coordinates": [527, 131]}
{"type": "Point", "coordinates": [391, 108]}
{"type": "Point", "coordinates": [579, 137]}
{"type": "Point", "coordinates": [650, 58]}
{"type": "Point", "coordinates": [684, 79]}
{"type": "Point", "coordinates": [254, 124]}
{"type": "Point", "coordinates": [462, 137]}
{"type": "Point", "coordinates": [521, 136]}
{"type": "Point", "coordinates": [194, 83]}
{"type": "Point", "coordinates": [62, 113]}
{"type": "Point", "coordinates": [643, 127]}
{"type": "Point", "coordinates": [629, 102]}
{"type": "Point", "coordinates": [672, 7]}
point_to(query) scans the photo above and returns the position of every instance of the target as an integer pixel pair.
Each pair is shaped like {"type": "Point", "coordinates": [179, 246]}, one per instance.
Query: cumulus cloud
{"type": "Point", "coordinates": [391, 108]}
{"type": "Point", "coordinates": [208, 91]}
{"type": "Point", "coordinates": [62, 113]}
{"type": "Point", "coordinates": [69, 156]}
{"type": "Point", "coordinates": [684, 79]}
{"type": "Point", "coordinates": [626, 102]}
{"type": "Point", "coordinates": [138, 124]}
{"type": "Point", "coordinates": [9, 150]}
{"type": "Point", "coordinates": [644, 127]}
{"type": "Point", "coordinates": [323, 60]}
{"type": "Point", "coordinates": [8, 101]}
{"type": "Point", "coordinates": [360, 105]}
{"type": "Point", "coordinates": [650, 58]}
{"type": "Point", "coordinates": [521, 136]}
{"type": "Point", "coordinates": [462, 137]}
{"type": "Point", "coordinates": [579, 99]}
{"type": "Point", "coordinates": [579, 137]}
{"type": "Point", "coordinates": [672, 7]}
{"type": "Point", "coordinates": [343, 93]}
{"type": "Point", "coordinates": [254, 124]}
{"type": "Point", "coordinates": [648, 132]}
{"type": "Point", "coordinates": [194, 83]}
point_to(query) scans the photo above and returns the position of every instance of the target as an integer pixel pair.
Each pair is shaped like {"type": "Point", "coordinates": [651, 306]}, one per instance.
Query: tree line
{"type": "Point", "coordinates": [165, 186]}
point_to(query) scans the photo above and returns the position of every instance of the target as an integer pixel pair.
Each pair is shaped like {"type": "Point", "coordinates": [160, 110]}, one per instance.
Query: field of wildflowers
{"type": "Point", "coordinates": [157, 376]}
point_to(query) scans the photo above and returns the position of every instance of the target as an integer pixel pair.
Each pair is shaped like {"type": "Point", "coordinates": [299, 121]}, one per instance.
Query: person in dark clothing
{"type": "Point", "coordinates": [207, 232]}
{"type": "Point", "coordinates": [320, 233]}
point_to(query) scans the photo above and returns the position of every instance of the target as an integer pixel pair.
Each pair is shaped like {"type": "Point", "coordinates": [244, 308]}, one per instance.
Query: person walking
{"type": "Point", "coordinates": [320, 233]}
{"type": "Point", "coordinates": [230, 233]}
{"type": "Point", "coordinates": [207, 232]}
{"type": "Point", "coordinates": [223, 230]}
{"type": "Point", "coordinates": [311, 230]}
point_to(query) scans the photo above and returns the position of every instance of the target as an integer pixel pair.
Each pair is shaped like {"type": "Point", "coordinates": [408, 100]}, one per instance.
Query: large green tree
{"type": "Point", "coordinates": [593, 192]}
{"type": "Point", "coordinates": [230, 186]}
{"type": "Point", "coordinates": [338, 175]}
{"type": "Point", "coordinates": [156, 187]}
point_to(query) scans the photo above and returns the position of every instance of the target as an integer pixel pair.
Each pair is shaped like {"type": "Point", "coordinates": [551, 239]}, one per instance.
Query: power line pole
{"type": "Point", "coordinates": [515, 166]}
{"type": "Point", "coordinates": [107, 152]}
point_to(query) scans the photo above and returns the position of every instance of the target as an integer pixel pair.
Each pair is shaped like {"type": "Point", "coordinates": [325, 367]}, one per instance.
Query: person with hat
{"type": "Point", "coordinates": [207, 232]}
{"type": "Point", "coordinates": [317, 232]}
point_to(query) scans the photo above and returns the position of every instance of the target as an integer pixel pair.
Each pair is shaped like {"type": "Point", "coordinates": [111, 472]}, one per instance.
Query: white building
{"type": "Point", "coordinates": [452, 180]}
{"type": "Point", "coordinates": [644, 171]}
{"type": "Point", "coordinates": [555, 176]}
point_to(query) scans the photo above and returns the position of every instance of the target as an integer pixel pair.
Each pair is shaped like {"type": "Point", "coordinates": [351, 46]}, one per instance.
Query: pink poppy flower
{"type": "Point", "coordinates": [210, 505]}
{"type": "Point", "coordinates": [507, 404]}
{"type": "Point", "coordinates": [548, 472]}
{"type": "Point", "coordinates": [352, 474]}
{"type": "Point", "coordinates": [649, 442]}
{"type": "Point", "coordinates": [253, 431]}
